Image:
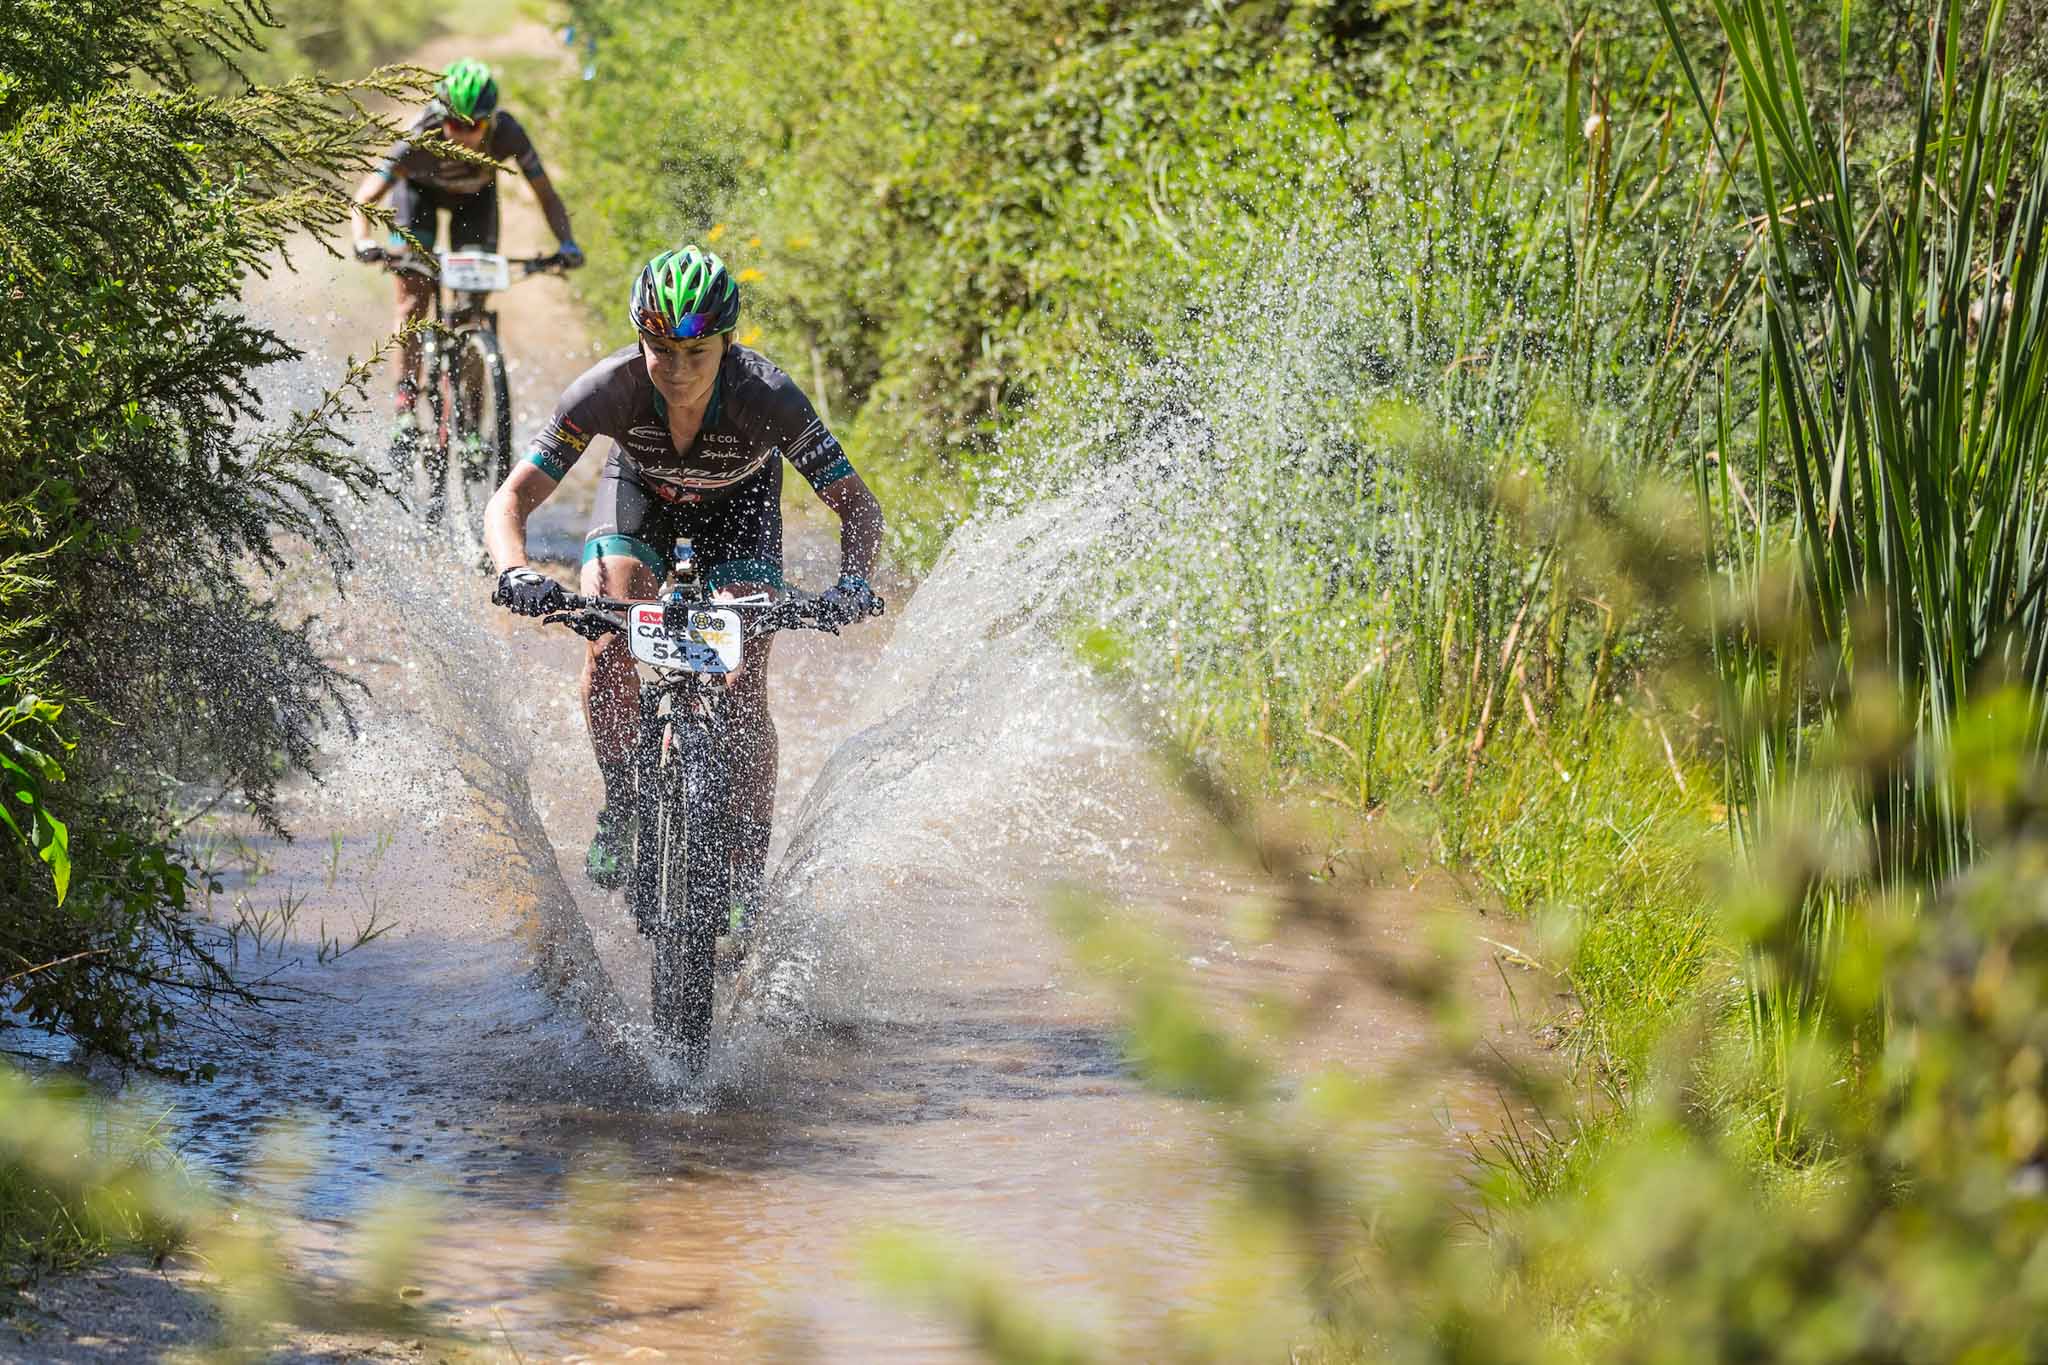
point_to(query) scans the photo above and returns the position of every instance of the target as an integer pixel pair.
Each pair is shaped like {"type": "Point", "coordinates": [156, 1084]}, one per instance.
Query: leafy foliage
{"type": "Point", "coordinates": [29, 773]}
{"type": "Point", "coordinates": [137, 487]}
{"type": "Point", "coordinates": [1874, 618]}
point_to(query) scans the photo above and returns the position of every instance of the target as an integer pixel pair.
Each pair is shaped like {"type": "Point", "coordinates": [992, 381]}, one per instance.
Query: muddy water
{"type": "Point", "coordinates": [908, 1046]}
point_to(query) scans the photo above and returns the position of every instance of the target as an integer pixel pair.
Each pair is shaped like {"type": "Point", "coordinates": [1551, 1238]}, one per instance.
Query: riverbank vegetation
{"type": "Point", "coordinates": [1605, 441]}
{"type": "Point", "coordinates": [143, 476]}
{"type": "Point", "coordinates": [147, 488]}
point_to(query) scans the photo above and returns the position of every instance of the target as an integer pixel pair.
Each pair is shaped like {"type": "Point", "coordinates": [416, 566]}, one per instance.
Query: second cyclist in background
{"type": "Point", "coordinates": [424, 176]}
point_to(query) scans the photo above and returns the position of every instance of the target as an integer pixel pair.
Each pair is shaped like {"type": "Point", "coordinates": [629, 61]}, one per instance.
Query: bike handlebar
{"type": "Point", "coordinates": [592, 617]}
{"type": "Point", "coordinates": [415, 263]}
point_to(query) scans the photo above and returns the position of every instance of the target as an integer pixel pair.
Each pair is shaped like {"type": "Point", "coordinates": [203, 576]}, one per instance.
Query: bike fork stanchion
{"type": "Point", "coordinates": [643, 888]}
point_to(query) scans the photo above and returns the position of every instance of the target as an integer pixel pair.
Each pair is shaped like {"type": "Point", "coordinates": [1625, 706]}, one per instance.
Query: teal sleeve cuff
{"type": "Point", "coordinates": [547, 465]}
{"type": "Point", "coordinates": [832, 473]}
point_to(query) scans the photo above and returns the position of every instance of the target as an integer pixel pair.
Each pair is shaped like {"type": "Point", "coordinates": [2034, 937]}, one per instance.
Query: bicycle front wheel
{"type": "Point", "coordinates": [696, 894]}
{"type": "Point", "coordinates": [480, 451]}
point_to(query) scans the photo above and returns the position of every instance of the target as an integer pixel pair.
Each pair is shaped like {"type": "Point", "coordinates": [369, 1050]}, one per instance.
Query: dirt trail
{"type": "Point", "coordinates": [911, 1045]}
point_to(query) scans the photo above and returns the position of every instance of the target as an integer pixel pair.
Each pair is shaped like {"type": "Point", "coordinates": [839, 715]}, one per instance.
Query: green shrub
{"type": "Point", "coordinates": [140, 501]}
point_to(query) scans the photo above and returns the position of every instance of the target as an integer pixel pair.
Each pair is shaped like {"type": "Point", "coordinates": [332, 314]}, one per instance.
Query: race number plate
{"type": "Point", "coordinates": [475, 272]}
{"type": "Point", "coordinates": [711, 644]}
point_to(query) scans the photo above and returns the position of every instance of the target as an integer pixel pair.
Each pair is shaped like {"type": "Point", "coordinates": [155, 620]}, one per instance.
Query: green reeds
{"type": "Point", "coordinates": [1901, 432]}
{"type": "Point", "coordinates": [1889, 525]}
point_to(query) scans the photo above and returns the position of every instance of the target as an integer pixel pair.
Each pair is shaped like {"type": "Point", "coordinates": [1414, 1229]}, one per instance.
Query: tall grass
{"type": "Point", "coordinates": [1901, 399]}
{"type": "Point", "coordinates": [1380, 484]}
{"type": "Point", "coordinates": [1893, 509]}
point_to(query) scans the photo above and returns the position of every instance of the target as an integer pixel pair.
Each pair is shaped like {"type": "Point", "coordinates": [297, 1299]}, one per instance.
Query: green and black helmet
{"type": "Point", "coordinates": [685, 294]}
{"type": "Point", "coordinates": [467, 90]}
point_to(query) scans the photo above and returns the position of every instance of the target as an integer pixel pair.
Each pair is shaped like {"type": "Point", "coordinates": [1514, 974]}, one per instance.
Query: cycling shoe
{"type": "Point", "coordinates": [605, 863]}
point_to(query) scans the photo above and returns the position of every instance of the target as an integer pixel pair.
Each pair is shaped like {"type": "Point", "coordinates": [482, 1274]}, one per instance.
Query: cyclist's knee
{"type": "Point", "coordinates": [616, 575]}
{"type": "Point", "coordinates": [413, 297]}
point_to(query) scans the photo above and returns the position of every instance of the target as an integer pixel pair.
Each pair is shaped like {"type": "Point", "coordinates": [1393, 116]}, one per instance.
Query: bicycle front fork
{"type": "Point", "coordinates": [685, 834]}
{"type": "Point", "coordinates": [433, 441]}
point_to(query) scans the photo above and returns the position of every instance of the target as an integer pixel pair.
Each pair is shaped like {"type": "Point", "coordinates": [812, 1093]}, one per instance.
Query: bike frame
{"type": "Point", "coordinates": [455, 320]}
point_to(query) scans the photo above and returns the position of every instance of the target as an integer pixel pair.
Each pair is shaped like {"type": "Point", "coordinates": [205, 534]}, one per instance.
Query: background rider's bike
{"type": "Point", "coordinates": [680, 884]}
{"type": "Point", "coordinates": [463, 454]}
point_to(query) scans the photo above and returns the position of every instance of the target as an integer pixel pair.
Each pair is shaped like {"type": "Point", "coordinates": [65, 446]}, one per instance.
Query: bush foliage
{"type": "Point", "coordinates": [142, 494]}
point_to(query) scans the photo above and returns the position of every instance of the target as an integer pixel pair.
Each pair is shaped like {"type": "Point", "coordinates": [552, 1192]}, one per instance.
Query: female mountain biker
{"type": "Point", "coordinates": [423, 179]}
{"type": "Point", "coordinates": [700, 427]}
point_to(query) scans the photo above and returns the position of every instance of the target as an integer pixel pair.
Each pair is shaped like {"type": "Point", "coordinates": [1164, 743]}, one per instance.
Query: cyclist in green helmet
{"type": "Point", "coordinates": [700, 427]}
{"type": "Point", "coordinates": [422, 180]}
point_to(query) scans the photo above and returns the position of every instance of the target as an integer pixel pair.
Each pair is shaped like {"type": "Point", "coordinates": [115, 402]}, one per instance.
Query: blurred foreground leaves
{"type": "Point", "coordinates": [82, 1177]}
{"type": "Point", "coordinates": [1916, 1233]}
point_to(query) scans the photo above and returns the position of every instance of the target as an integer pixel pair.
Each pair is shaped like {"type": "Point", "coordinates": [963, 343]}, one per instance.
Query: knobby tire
{"type": "Point", "coordinates": [695, 867]}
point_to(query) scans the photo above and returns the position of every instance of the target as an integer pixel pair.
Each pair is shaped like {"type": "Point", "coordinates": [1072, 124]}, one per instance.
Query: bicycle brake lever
{"type": "Point", "coordinates": [587, 624]}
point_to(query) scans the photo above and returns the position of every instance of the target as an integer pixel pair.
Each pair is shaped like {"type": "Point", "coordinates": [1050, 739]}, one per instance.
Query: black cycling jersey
{"type": "Point", "coordinates": [738, 539]}
{"type": "Point", "coordinates": [757, 414]}
{"type": "Point", "coordinates": [419, 157]}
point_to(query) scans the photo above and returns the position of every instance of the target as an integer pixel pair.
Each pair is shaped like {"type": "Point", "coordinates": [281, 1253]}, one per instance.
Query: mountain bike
{"type": "Point", "coordinates": [467, 452]}
{"type": "Point", "coordinates": [679, 886]}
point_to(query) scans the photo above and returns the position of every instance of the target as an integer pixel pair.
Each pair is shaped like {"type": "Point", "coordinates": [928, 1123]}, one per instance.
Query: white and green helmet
{"type": "Point", "coordinates": [467, 90]}
{"type": "Point", "coordinates": [684, 294]}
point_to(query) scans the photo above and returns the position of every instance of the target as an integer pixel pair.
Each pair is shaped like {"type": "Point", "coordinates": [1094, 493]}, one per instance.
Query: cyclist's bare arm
{"type": "Point", "coordinates": [551, 205]}
{"type": "Point", "coordinates": [505, 518]}
{"type": "Point", "coordinates": [860, 522]}
{"type": "Point", "coordinates": [374, 187]}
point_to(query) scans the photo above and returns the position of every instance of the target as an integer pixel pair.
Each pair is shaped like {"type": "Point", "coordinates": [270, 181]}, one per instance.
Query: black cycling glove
{"type": "Point", "coordinates": [528, 592]}
{"type": "Point", "coordinates": [847, 601]}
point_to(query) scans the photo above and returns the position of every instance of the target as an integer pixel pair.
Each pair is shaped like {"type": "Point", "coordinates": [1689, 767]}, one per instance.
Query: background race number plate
{"type": "Point", "coordinates": [475, 271]}
{"type": "Point", "coordinates": [710, 645]}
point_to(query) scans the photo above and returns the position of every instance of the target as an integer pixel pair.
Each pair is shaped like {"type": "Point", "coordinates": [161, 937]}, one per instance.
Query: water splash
{"type": "Point", "coordinates": [986, 763]}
